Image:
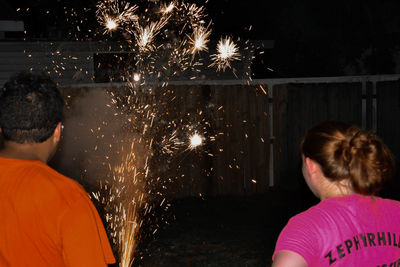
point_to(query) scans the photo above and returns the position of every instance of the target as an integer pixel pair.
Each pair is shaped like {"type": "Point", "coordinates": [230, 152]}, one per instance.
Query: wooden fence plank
{"type": "Point", "coordinates": [296, 108]}
{"type": "Point", "coordinates": [388, 126]}
{"type": "Point", "coordinates": [240, 154]}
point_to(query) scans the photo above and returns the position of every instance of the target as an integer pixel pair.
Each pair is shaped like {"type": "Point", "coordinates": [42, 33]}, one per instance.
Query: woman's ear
{"type": "Point", "coordinates": [311, 172]}
{"type": "Point", "coordinates": [311, 166]}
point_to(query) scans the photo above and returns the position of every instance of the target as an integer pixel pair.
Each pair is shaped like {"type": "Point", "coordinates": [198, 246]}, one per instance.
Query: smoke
{"type": "Point", "coordinates": [93, 138]}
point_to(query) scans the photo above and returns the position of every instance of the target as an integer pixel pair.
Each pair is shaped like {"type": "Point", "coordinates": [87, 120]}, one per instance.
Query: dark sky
{"type": "Point", "coordinates": [319, 38]}
{"type": "Point", "coordinates": [270, 19]}
{"type": "Point", "coordinates": [340, 32]}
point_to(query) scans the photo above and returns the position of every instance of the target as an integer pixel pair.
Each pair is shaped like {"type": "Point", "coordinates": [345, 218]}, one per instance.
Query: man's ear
{"type": "Point", "coordinates": [57, 132]}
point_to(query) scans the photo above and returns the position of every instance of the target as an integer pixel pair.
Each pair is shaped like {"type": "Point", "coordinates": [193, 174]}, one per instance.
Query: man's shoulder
{"type": "Point", "coordinates": [47, 180]}
{"type": "Point", "coordinates": [45, 171]}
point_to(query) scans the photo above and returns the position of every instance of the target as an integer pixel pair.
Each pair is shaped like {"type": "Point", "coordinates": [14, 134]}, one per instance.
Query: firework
{"type": "Point", "coordinates": [200, 39]}
{"type": "Point", "coordinates": [145, 35]}
{"type": "Point", "coordinates": [167, 8]}
{"type": "Point", "coordinates": [123, 196]}
{"type": "Point", "coordinates": [194, 13]}
{"type": "Point", "coordinates": [113, 13]}
{"type": "Point", "coordinates": [195, 141]}
{"type": "Point", "coordinates": [111, 24]}
{"type": "Point", "coordinates": [227, 51]}
{"type": "Point", "coordinates": [127, 235]}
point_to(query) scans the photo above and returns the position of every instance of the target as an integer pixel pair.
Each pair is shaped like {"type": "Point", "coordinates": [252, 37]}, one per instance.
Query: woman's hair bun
{"type": "Point", "coordinates": [348, 152]}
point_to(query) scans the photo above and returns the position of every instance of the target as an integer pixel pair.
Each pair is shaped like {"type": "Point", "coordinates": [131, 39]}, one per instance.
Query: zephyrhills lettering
{"type": "Point", "coordinates": [361, 241]}
{"type": "Point", "coordinates": [392, 264]}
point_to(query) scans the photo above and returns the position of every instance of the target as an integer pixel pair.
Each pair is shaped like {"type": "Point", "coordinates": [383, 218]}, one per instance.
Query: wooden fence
{"type": "Point", "coordinates": [252, 131]}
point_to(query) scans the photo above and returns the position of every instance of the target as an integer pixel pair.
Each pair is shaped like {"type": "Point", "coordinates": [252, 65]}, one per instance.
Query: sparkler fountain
{"type": "Point", "coordinates": [169, 40]}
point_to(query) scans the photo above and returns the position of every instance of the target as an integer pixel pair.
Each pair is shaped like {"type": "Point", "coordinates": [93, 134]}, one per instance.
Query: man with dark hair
{"type": "Point", "coordinates": [46, 219]}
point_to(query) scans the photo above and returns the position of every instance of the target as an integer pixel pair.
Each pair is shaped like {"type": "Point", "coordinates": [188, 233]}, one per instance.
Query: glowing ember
{"type": "Point", "coordinates": [136, 77]}
{"type": "Point", "coordinates": [195, 141]}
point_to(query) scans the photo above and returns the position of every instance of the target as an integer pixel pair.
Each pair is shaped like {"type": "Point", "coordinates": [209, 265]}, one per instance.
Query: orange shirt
{"type": "Point", "coordinates": [47, 219]}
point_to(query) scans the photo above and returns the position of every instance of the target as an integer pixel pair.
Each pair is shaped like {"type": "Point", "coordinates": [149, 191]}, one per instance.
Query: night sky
{"type": "Point", "coordinates": [312, 38]}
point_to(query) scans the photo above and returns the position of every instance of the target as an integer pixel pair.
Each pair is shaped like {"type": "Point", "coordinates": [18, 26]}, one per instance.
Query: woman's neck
{"type": "Point", "coordinates": [335, 189]}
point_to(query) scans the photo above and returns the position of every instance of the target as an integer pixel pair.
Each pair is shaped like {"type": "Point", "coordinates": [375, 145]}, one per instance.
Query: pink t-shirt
{"type": "Point", "coordinates": [354, 230]}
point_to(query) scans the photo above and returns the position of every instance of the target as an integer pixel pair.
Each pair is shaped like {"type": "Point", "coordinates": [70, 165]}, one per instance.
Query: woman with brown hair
{"type": "Point", "coordinates": [345, 167]}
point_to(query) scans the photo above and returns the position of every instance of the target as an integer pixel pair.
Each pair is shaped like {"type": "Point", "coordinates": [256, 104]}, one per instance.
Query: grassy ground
{"type": "Point", "coordinates": [221, 231]}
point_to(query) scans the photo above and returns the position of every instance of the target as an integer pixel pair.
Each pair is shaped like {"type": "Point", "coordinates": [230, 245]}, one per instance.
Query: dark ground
{"type": "Point", "coordinates": [221, 231]}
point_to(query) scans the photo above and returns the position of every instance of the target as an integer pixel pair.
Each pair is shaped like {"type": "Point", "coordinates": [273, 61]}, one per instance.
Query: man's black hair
{"type": "Point", "coordinates": [31, 106]}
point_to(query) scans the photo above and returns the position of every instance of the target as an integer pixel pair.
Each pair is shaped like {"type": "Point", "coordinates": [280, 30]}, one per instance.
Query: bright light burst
{"type": "Point", "coordinates": [113, 13]}
{"type": "Point", "coordinates": [136, 77]}
{"type": "Point", "coordinates": [165, 9]}
{"type": "Point", "coordinates": [227, 51]}
{"type": "Point", "coordinates": [200, 39]}
{"type": "Point", "coordinates": [111, 24]}
{"type": "Point", "coordinates": [145, 35]}
{"type": "Point", "coordinates": [195, 141]}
